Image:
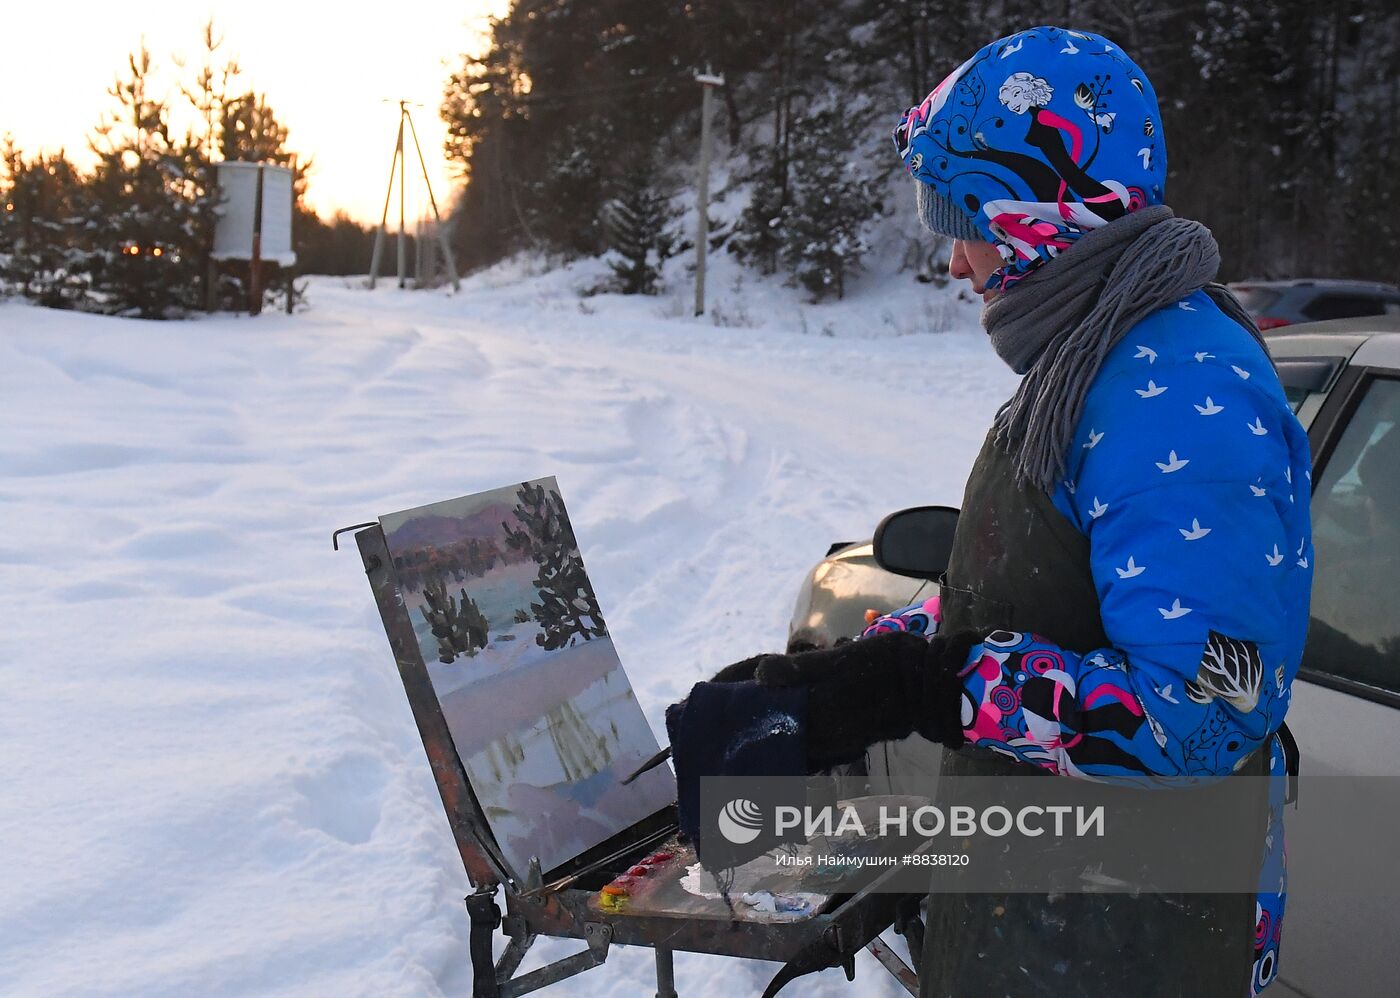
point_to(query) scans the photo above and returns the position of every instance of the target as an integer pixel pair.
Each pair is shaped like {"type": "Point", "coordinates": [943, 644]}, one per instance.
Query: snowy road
{"type": "Point", "coordinates": [213, 783]}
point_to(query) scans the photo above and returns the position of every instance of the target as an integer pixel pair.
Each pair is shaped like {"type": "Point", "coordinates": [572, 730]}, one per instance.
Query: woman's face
{"type": "Point", "coordinates": [975, 262]}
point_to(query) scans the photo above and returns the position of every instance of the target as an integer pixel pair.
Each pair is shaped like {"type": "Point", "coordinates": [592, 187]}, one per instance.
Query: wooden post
{"type": "Point", "coordinates": [418, 253]}
{"type": "Point", "coordinates": [707, 83]}
{"type": "Point", "coordinates": [292, 239]}
{"type": "Point", "coordinates": [211, 284]}
{"type": "Point", "coordinates": [403, 265]}
{"type": "Point", "coordinates": [441, 231]}
{"type": "Point", "coordinates": [255, 267]}
{"type": "Point", "coordinates": [384, 215]}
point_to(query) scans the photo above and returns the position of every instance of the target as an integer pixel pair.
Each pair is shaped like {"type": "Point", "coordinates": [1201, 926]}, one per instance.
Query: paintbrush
{"type": "Point", "coordinates": [651, 763]}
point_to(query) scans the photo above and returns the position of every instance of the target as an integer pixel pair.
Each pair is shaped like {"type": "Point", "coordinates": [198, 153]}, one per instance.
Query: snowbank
{"type": "Point", "coordinates": [213, 783]}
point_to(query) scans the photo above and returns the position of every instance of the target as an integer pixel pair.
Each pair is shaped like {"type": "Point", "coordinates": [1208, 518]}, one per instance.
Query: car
{"type": "Point", "coordinates": [1275, 304]}
{"type": "Point", "coordinates": [1342, 379]}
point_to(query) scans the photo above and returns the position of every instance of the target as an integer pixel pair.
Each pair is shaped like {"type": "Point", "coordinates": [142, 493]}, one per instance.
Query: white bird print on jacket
{"type": "Point", "coordinates": [1098, 509]}
{"type": "Point", "coordinates": [1257, 427]}
{"type": "Point", "coordinates": [1147, 352]}
{"type": "Point", "coordinates": [1012, 48]}
{"type": "Point", "coordinates": [1275, 558]}
{"type": "Point", "coordinates": [1094, 439]}
{"type": "Point", "coordinates": [1166, 694]}
{"type": "Point", "coordinates": [1186, 306]}
{"type": "Point", "coordinates": [1177, 610]}
{"type": "Point", "coordinates": [1202, 355]}
{"type": "Point", "coordinates": [1257, 490]}
{"type": "Point", "coordinates": [1174, 463]}
{"type": "Point", "coordinates": [1210, 408]}
{"type": "Point", "coordinates": [1240, 371]}
{"type": "Point", "coordinates": [1151, 391]}
{"type": "Point", "coordinates": [1130, 571]}
{"type": "Point", "coordinates": [1195, 533]}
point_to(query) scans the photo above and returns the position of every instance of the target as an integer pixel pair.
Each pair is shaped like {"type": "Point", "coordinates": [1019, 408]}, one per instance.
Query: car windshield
{"type": "Point", "coordinates": [1306, 376]}
{"type": "Point", "coordinates": [1256, 300]}
{"type": "Point", "coordinates": [1296, 395]}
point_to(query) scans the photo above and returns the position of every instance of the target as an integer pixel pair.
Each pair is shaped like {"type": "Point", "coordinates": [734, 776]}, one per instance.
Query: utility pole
{"type": "Point", "coordinates": [708, 81]}
{"type": "Point", "coordinates": [398, 164]}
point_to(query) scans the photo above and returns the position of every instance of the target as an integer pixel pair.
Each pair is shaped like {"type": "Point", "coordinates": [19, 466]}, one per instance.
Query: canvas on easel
{"type": "Point", "coordinates": [536, 701]}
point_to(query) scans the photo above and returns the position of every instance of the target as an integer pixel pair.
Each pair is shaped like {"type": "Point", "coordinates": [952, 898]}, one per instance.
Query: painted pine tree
{"type": "Point", "coordinates": [458, 624]}
{"type": "Point", "coordinates": [567, 607]}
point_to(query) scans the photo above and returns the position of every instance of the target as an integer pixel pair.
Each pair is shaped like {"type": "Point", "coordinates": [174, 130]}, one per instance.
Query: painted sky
{"type": "Point", "coordinates": [326, 69]}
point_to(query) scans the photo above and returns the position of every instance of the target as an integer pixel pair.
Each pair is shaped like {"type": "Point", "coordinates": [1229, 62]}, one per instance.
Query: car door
{"type": "Point", "coordinates": [1344, 711]}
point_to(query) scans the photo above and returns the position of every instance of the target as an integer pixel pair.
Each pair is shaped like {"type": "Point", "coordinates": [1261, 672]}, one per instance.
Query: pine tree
{"type": "Point", "coordinates": [809, 55]}
{"type": "Point", "coordinates": [568, 608]}
{"type": "Point", "coordinates": [758, 238]}
{"type": "Point", "coordinates": [832, 201]}
{"type": "Point", "coordinates": [149, 209]}
{"type": "Point", "coordinates": [641, 225]}
{"type": "Point", "coordinates": [41, 198]}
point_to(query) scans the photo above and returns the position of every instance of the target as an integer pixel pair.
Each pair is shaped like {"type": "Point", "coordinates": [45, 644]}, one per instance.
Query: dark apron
{"type": "Point", "coordinates": [1017, 564]}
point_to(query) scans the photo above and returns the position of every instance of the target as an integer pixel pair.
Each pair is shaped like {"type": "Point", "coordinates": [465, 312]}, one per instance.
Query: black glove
{"type": "Point", "coordinates": [880, 688]}
{"type": "Point", "coordinates": [741, 672]}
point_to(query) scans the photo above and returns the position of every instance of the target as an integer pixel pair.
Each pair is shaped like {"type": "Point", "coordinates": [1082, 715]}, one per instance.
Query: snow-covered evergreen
{"type": "Point", "coordinates": [642, 234]}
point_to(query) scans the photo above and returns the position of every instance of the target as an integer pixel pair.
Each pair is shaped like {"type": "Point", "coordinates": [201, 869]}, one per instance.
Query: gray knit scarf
{"type": "Point", "coordinates": [1057, 324]}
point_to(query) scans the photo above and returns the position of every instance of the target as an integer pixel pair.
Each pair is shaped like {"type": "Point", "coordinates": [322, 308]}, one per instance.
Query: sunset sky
{"type": "Point", "coordinates": [326, 68]}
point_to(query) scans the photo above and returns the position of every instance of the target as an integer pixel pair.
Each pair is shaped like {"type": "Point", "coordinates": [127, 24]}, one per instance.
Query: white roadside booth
{"type": "Point", "coordinates": [255, 222]}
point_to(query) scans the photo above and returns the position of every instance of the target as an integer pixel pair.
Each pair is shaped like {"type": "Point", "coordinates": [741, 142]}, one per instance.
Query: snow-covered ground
{"type": "Point", "coordinates": [213, 784]}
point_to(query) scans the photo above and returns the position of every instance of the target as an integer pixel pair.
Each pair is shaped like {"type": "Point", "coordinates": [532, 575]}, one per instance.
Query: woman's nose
{"type": "Point", "coordinates": [958, 267]}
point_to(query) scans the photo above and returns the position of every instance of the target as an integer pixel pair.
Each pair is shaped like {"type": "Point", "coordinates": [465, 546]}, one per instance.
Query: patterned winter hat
{"type": "Point", "coordinates": [1037, 138]}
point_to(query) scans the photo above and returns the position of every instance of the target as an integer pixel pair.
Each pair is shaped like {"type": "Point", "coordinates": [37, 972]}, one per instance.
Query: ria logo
{"type": "Point", "coordinates": [740, 821]}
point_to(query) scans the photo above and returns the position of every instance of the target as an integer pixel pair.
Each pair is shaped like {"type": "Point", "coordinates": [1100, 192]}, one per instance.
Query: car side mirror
{"type": "Point", "coordinates": [916, 542]}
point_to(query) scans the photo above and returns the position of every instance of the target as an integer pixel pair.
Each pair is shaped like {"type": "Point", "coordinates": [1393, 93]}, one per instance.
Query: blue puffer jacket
{"type": "Point", "coordinates": [1188, 473]}
{"type": "Point", "coordinates": [1190, 477]}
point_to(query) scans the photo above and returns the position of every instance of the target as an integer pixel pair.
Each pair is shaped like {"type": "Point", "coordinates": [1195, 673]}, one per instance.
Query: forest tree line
{"type": "Point", "coordinates": [1282, 120]}
{"type": "Point", "coordinates": [132, 234]}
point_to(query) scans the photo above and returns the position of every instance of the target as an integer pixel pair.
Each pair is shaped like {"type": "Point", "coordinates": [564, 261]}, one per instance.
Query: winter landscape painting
{"type": "Point", "coordinates": [534, 695]}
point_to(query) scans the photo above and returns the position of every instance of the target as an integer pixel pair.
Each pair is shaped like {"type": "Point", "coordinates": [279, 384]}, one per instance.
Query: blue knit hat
{"type": "Point", "coordinates": [1036, 139]}
{"type": "Point", "coordinates": [938, 214]}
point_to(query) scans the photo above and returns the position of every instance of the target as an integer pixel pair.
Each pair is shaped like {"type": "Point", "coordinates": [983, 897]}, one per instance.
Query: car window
{"type": "Point", "coordinates": [1306, 377]}
{"type": "Point", "coordinates": [1335, 306]}
{"type": "Point", "coordinates": [1355, 627]}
